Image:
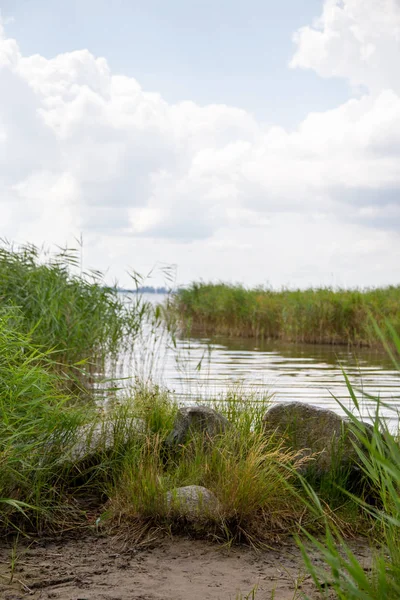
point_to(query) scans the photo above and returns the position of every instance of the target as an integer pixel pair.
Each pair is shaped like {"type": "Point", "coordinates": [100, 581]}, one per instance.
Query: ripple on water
{"type": "Point", "coordinates": [202, 368]}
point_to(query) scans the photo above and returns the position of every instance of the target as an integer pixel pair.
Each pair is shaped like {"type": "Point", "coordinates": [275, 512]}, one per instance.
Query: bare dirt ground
{"type": "Point", "coordinates": [99, 568]}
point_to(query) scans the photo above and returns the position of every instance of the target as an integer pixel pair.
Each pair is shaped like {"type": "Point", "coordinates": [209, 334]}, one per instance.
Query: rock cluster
{"type": "Point", "coordinates": [312, 432]}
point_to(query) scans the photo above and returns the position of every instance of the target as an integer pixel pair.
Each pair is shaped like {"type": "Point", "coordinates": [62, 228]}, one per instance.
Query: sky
{"type": "Point", "coordinates": [251, 142]}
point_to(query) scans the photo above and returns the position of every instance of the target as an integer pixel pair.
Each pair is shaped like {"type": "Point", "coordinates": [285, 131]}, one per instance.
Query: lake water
{"type": "Point", "coordinates": [200, 368]}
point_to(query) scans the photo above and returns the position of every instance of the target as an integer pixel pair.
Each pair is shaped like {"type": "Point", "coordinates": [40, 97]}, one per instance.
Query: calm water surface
{"type": "Point", "coordinates": [202, 367]}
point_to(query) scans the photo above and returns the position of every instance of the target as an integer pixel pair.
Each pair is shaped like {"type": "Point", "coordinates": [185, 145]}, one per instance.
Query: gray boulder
{"type": "Point", "coordinates": [195, 419]}
{"type": "Point", "coordinates": [313, 431]}
{"type": "Point", "coordinates": [192, 502]}
{"type": "Point", "coordinates": [92, 439]}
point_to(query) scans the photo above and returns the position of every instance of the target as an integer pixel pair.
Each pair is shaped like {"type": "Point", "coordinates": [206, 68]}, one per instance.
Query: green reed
{"type": "Point", "coordinates": [57, 325]}
{"type": "Point", "coordinates": [314, 316]}
{"type": "Point", "coordinates": [342, 574]}
{"type": "Point", "coordinates": [72, 312]}
{"type": "Point", "coordinates": [34, 414]}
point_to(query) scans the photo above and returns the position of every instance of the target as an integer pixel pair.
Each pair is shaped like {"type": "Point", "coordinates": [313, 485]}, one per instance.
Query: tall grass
{"type": "Point", "coordinates": [57, 325]}
{"type": "Point", "coordinates": [35, 414]}
{"type": "Point", "coordinates": [313, 316]}
{"type": "Point", "coordinates": [342, 573]}
{"type": "Point", "coordinates": [58, 456]}
{"type": "Point", "coordinates": [65, 310]}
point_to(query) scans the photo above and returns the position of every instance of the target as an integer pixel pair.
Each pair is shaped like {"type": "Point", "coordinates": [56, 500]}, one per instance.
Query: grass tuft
{"type": "Point", "coordinates": [246, 473]}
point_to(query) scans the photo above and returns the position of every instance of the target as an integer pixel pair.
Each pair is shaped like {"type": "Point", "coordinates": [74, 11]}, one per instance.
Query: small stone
{"type": "Point", "coordinates": [192, 502]}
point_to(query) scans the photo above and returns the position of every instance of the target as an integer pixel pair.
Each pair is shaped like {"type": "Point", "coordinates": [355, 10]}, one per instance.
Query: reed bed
{"type": "Point", "coordinates": [57, 326]}
{"type": "Point", "coordinates": [64, 309]}
{"type": "Point", "coordinates": [312, 316]}
{"type": "Point", "coordinates": [36, 418]}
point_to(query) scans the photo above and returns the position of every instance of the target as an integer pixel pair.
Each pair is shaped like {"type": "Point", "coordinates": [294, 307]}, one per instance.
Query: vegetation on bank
{"type": "Point", "coordinates": [312, 316]}
{"type": "Point", "coordinates": [37, 418]}
{"type": "Point", "coordinates": [121, 485]}
{"type": "Point", "coordinates": [341, 574]}
{"type": "Point", "coordinates": [51, 481]}
{"type": "Point", "coordinates": [71, 313]}
{"type": "Point", "coordinates": [55, 324]}
{"type": "Point", "coordinates": [248, 474]}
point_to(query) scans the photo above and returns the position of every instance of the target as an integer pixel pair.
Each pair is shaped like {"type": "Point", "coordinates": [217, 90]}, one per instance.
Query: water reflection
{"type": "Point", "coordinates": [203, 367]}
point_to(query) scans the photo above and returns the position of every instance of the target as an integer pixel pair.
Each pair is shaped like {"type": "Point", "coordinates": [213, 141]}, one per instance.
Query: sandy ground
{"type": "Point", "coordinates": [99, 568]}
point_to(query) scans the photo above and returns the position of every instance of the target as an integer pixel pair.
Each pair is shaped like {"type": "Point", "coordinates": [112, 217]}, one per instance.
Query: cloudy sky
{"type": "Point", "coordinates": [249, 141]}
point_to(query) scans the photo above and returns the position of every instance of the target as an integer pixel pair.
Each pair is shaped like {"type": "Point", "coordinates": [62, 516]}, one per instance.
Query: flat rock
{"type": "Point", "coordinates": [192, 502]}
{"type": "Point", "coordinates": [311, 430]}
{"type": "Point", "coordinates": [194, 419]}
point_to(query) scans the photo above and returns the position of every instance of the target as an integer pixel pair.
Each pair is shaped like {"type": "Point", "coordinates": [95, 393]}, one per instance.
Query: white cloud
{"type": "Point", "coordinates": [82, 149]}
{"type": "Point", "coordinates": [355, 39]}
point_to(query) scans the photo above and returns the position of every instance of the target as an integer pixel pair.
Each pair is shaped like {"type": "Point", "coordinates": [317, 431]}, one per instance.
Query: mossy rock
{"type": "Point", "coordinates": [192, 503]}
{"type": "Point", "coordinates": [192, 420]}
{"type": "Point", "coordinates": [315, 432]}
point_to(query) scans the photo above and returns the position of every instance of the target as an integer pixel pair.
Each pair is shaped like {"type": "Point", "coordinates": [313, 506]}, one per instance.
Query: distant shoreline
{"type": "Point", "coordinates": [144, 290]}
